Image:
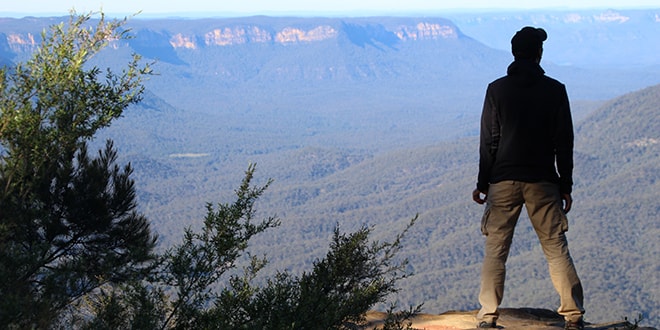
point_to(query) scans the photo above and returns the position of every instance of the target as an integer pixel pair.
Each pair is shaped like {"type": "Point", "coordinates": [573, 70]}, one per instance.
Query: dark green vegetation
{"type": "Point", "coordinates": [68, 219]}
{"type": "Point", "coordinates": [389, 136]}
{"type": "Point", "coordinates": [355, 275]}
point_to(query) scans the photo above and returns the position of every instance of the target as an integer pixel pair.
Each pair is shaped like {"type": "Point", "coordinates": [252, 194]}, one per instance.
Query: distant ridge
{"type": "Point", "coordinates": [611, 124]}
{"type": "Point", "coordinates": [591, 38]}
{"type": "Point", "coordinates": [388, 53]}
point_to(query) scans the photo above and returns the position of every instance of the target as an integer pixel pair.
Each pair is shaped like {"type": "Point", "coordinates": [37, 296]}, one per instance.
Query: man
{"type": "Point", "coordinates": [526, 128]}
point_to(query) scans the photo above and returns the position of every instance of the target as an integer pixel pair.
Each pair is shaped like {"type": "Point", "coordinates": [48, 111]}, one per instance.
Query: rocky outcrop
{"type": "Point", "coordinates": [21, 42]}
{"type": "Point", "coordinates": [244, 34]}
{"type": "Point", "coordinates": [277, 31]}
{"type": "Point", "coordinates": [510, 319]}
{"type": "Point", "coordinates": [292, 35]}
{"type": "Point", "coordinates": [426, 30]}
{"type": "Point", "coordinates": [235, 35]}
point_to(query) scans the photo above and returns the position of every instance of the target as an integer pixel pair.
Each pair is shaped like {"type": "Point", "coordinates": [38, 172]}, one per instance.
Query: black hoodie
{"type": "Point", "coordinates": [526, 128]}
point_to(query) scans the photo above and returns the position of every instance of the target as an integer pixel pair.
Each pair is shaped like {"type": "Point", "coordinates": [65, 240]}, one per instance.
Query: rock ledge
{"type": "Point", "coordinates": [510, 318]}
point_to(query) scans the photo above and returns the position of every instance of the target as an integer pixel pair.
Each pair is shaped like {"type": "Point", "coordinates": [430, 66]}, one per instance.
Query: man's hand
{"type": "Point", "coordinates": [476, 196]}
{"type": "Point", "coordinates": [567, 202]}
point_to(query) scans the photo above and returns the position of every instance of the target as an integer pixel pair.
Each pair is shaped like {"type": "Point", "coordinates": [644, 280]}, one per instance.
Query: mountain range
{"type": "Point", "coordinates": [588, 38]}
{"type": "Point", "coordinates": [374, 120]}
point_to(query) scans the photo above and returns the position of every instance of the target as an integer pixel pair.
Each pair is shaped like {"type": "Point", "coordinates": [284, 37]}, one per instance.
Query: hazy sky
{"type": "Point", "coordinates": [233, 7]}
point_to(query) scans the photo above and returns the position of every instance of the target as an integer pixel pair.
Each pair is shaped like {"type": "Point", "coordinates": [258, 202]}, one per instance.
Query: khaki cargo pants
{"type": "Point", "coordinates": [544, 207]}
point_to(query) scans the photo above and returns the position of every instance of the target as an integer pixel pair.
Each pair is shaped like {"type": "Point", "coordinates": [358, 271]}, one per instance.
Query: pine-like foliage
{"type": "Point", "coordinates": [354, 276]}
{"type": "Point", "coordinates": [68, 219]}
{"type": "Point", "coordinates": [193, 289]}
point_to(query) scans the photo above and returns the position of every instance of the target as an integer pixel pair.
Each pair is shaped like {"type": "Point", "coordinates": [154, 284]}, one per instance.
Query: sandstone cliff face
{"type": "Point", "coordinates": [237, 35]}
{"type": "Point", "coordinates": [426, 31]}
{"type": "Point", "coordinates": [232, 33]}
{"type": "Point", "coordinates": [21, 42]}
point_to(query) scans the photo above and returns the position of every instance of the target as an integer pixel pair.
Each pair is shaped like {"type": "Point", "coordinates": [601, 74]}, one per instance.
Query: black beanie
{"type": "Point", "coordinates": [527, 42]}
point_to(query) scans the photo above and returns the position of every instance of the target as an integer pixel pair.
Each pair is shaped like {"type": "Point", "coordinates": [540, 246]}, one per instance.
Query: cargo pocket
{"type": "Point", "coordinates": [484, 220]}
{"type": "Point", "coordinates": [563, 220]}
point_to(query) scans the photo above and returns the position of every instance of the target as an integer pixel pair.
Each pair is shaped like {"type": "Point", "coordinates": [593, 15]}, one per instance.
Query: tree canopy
{"type": "Point", "coordinates": [68, 219]}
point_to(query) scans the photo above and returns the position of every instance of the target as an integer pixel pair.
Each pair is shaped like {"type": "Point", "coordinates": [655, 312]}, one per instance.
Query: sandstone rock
{"type": "Point", "coordinates": [510, 318]}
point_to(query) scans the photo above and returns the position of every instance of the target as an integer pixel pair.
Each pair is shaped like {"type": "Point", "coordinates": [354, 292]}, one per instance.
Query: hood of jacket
{"type": "Point", "coordinates": [525, 72]}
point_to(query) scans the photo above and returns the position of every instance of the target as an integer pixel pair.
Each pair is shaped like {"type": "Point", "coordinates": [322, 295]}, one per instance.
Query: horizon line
{"type": "Point", "coordinates": [321, 13]}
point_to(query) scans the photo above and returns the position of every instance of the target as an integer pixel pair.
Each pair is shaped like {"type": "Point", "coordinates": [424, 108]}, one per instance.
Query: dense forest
{"type": "Point", "coordinates": [613, 224]}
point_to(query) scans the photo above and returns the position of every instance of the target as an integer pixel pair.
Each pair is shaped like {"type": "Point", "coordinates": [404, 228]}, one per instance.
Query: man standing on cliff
{"type": "Point", "coordinates": [526, 128]}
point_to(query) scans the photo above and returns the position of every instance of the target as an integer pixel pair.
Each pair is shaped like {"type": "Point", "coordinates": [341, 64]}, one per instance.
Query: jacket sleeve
{"type": "Point", "coordinates": [564, 145]}
{"type": "Point", "coordinates": [489, 141]}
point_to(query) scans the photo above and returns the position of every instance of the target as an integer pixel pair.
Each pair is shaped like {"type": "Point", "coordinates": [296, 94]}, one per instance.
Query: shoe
{"type": "Point", "coordinates": [487, 325]}
{"type": "Point", "coordinates": [571, 325]}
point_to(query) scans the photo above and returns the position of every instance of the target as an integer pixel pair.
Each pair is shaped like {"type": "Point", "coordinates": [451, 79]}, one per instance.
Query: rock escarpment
{"type": "Point", "coordinates": [510, 318]}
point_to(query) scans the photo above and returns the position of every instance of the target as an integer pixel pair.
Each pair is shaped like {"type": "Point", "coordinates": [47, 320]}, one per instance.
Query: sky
{"type": "Point", "coordinates": [299, 7]}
